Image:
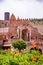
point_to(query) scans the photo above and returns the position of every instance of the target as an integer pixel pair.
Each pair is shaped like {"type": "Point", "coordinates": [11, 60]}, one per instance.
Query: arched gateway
{"type": "Point", "coordinates": [25, 34]}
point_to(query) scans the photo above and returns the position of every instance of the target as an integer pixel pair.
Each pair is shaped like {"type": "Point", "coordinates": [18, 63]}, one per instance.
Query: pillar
{"type": "Point", "coordinates": [20, 34]}
{"type": "Point", "coordinates": [27, 36]}
{"type": "Point", "coordinates": [18, 31]}
{"type": "Point", "coordinates": [30, 35]}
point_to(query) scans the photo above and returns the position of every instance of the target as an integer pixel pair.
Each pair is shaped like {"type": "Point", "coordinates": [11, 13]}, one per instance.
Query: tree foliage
{"type": "Point", "coordinates": [20, 44]}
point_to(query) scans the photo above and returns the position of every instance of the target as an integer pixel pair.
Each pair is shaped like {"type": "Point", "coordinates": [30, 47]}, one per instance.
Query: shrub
{"type": "Point", "coordinates": [31, 57]}
{"type": "Point", "coordinates": [20, 44]}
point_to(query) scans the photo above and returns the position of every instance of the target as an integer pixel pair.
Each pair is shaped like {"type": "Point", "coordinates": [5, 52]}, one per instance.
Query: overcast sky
{"type": "Point", "coordinates": [22, 8]}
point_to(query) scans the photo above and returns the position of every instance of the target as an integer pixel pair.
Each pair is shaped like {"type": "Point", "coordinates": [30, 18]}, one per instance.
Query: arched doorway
{"type": "Point", "coordinates": [25, 34]}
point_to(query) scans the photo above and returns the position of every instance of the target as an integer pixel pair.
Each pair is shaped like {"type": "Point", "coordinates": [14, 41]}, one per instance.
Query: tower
{"type": "Point", "coordinates": [12, 18]}
{"type": "Point", "coordinates": [6, 15]}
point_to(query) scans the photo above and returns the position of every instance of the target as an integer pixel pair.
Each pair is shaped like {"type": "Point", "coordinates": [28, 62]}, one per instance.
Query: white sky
{"type": "Point", "coordinates": [22, 8]}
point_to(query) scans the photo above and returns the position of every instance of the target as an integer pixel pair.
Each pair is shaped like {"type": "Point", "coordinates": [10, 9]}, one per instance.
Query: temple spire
{"type": "Point", "coordinates": [12, 18]}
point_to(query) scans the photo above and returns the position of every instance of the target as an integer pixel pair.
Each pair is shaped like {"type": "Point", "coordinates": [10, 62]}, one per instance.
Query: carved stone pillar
{"type": "Point", "coordinates": [30, 35]}
{"type": "Point", "coordinates": [18, 31]}
{"type": "Point", "coordinates": [27, 36]}
{"type": "Point", "coordinates": [20, 34]}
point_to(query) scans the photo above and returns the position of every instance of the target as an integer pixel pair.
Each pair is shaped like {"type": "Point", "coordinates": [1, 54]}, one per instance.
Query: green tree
{"type": "Point", "coordinates": [20, 44]}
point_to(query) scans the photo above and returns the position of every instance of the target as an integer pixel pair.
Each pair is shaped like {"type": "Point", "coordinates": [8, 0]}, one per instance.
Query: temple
{"type": "Point", "coordinates": [13, 29]}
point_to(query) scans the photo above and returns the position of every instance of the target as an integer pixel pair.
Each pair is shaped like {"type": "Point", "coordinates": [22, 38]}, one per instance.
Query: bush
{"type": "Point", "coordinates": [31, 57]}
{"type": "Point", "coordinates": [20, 44]}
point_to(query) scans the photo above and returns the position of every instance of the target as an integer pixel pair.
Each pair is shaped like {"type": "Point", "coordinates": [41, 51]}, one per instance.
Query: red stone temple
{"type": "Point", "coordinates": [12, 29]}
